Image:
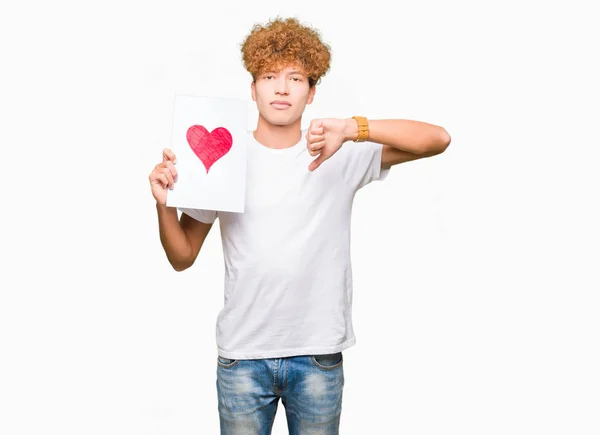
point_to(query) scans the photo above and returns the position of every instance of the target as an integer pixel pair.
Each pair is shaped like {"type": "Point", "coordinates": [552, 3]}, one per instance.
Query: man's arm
{"type": "Point", "coordinates": [181, 240]}
{"type": "Point", "coordinates": [403, 140]}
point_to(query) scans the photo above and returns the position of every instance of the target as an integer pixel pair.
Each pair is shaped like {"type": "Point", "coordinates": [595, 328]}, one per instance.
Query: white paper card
{"type": "Point", "coordinates": [209, 142]}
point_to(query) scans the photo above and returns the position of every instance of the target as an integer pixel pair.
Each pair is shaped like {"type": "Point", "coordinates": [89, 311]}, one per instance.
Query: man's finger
{"type": "Point", "coordinates": [317, 145]}
{"type": "Point", "coordinates": [169, 155]}
{"type": "Point", "coordinates": [171, 167]}
{"type": "Point", "coordinates": [316, 138]}
{"type": "Point", "coordinates": [317, 162]}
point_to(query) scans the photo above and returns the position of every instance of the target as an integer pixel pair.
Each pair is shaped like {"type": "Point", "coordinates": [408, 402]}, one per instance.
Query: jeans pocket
{"type": "Point", "coordinates": [328, 361]}
{"type": "Point", "coordinates": [226, 362]}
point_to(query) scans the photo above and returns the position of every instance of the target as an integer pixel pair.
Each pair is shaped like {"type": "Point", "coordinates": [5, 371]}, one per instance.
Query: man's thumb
{"type": "Point", "coordinates": [317, 162]}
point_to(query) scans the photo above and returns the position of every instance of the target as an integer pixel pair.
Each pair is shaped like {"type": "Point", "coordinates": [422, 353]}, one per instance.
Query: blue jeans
{"type": "Point", "coordinates": [310, 388]}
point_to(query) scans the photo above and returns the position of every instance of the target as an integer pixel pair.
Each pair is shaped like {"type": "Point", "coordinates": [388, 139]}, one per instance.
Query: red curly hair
{"type": "Point", "coordinates": [284, 42]}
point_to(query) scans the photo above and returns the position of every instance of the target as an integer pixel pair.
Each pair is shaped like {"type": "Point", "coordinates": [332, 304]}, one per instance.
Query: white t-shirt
{"type": "Point", "coordinates": [288, 276]}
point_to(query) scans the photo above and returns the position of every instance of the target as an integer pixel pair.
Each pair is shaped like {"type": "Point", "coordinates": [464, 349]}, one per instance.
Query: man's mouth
{"type": "Point", "coordinates": [278, 104]}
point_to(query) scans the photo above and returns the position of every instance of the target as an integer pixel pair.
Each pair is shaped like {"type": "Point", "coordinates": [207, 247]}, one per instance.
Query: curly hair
{"type": "Point", "coordinates": [285, 42]}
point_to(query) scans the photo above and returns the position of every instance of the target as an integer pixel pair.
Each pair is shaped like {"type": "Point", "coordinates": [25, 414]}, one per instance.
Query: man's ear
{"type": "Point", "coordinates": [253, 89]}
{"type": "Point", "coordinates": [311, 94]}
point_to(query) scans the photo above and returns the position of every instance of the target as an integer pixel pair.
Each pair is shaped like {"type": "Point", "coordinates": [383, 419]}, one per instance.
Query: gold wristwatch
{"type": "Point", "coordinates": [363, 128]}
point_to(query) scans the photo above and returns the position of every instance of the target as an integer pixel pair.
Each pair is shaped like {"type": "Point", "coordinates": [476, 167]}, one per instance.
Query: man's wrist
{"type": "Point", "coordinates": [164, 207]}
{"type": "Point", "coordinates": [350, 129]}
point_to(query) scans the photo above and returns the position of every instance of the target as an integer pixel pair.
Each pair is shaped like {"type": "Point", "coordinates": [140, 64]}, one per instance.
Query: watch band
{"type": "Point", "coordinates": [363, 128]}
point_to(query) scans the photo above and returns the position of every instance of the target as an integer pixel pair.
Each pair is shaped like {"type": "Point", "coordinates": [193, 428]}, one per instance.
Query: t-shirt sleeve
{"type": "Point", "coordinates": [361, 163]}
{"type": "Point", "coordinates": [205, 216]}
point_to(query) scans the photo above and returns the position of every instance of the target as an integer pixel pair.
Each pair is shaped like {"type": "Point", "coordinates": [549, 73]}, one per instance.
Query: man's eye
{"type": "Point", "coordinates": [268, 77]}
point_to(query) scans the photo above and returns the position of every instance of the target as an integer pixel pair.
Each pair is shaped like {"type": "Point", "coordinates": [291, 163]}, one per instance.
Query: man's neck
{"type": "Point", "coordinates": [277, 136]}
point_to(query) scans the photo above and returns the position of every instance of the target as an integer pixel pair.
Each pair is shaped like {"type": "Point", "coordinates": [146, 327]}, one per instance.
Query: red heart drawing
{"type": "Point", "coordinates": [209, 147]}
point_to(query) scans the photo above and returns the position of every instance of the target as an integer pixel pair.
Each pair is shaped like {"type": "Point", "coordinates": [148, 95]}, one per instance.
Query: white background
{"type": "Point", "coordinates": [476, 271]}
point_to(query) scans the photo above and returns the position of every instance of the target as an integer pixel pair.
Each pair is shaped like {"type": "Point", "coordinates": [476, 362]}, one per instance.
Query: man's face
{"type": "Point", "coordinates": [289, 85]}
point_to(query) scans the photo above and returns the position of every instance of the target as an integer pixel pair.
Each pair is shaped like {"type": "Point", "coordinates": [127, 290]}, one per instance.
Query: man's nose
{"type": "Point", "coordinates": [281, 86]}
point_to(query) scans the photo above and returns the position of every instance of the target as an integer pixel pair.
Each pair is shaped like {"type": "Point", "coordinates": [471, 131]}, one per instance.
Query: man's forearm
{"type": "Point", "coordinates": [173, 238]}
{"type": "Point", "coordinates": [415, 137]}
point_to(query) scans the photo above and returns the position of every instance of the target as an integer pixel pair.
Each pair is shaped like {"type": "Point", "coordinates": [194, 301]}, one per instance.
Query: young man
{"type": "Point", "coordinates": [287, 315]}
